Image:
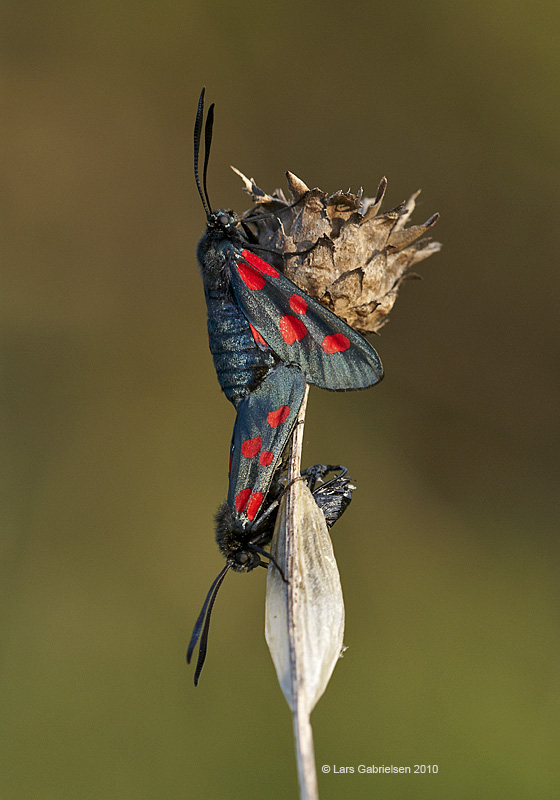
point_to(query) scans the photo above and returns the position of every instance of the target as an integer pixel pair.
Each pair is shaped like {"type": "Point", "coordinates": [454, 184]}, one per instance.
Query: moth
{"type": "Point", "coordinates": [244, 553]}
{"type": "Point", "coordinates": [258, 318]}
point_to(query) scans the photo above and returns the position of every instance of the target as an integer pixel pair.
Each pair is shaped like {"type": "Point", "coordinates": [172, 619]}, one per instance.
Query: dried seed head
{"type": "Point", "coordinates": [359, 257]}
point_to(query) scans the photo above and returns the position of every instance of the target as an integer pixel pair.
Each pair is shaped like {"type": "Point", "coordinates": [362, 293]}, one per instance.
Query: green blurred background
{"type": "Point", "coordinates": [116, 433]}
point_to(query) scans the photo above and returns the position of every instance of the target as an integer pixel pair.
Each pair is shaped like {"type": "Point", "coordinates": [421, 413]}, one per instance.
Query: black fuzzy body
{"type": "Point", "coordinates": [240, 363]}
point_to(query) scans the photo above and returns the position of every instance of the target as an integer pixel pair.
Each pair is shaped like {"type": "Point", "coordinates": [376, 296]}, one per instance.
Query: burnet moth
{"type": "Point", "coordinates": [333, 498]}
{"type": "Point", "coordinates": [257, 317]}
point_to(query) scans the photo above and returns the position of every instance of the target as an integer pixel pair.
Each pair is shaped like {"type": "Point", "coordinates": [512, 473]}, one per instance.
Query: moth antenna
{"type": "Point", "coordinates": [204, 617]}
{"type": "Point", "coordinates": [204, 638]}
{"type": "Point", "coordinates": [197, 135]}
{"type": "Point", "coordinates": [207, 142]}
{"type": "Point", "coordinates": [200, 620]}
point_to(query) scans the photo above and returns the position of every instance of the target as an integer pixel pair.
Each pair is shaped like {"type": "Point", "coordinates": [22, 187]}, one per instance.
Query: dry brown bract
{"type": "Point", "coordinates": [358, 257]}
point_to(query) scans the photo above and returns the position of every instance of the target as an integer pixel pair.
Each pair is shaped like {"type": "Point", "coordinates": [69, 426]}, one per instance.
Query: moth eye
{"type": "Point", "coordinates": [223, 219]}
{"type": "Point", "coordinates": [242, 558]}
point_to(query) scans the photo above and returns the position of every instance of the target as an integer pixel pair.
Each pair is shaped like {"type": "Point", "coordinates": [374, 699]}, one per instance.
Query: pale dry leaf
{"type": "Point", "coordinates": [305, 617]}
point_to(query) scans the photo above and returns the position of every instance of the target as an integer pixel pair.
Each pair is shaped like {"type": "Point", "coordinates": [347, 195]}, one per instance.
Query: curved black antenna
{"type": "Point", "coordinates": [207, 143]}
{"type": "Point", "coordinates": [204, 617]}
{"type": "Point", "coordinates": [197, 134]}
{"type": "Point", "coordinates": [204, 638]}
{"type": "Point", "coordinates": [200, 620]}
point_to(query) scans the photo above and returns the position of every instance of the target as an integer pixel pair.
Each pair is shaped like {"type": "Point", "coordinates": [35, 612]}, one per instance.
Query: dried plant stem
{"type": "Point", "coordinates": [303, 734]}
{"type": "Point", "coordinates": [305, 754]}
{"type": "Point", "coordinates": [304, 622]}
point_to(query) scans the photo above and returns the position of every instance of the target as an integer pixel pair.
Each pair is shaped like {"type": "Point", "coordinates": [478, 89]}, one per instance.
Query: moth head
{"type": "Point", "coordinates": [234, 541]}
{"type": "Point", "coordinates": [223, 220]}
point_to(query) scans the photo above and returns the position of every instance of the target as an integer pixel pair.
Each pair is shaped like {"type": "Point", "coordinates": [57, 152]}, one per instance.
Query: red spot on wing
{"type": "Point", "coordinates": [254, 505]}
{"type": "Point", "coordinates": [250, 447]}
{"type": "Point", "coordinates": [276, 418]}
{"type": "Point", "coordinates": [258, 263]}
{"type": "Point", "coordinates": [250, 277]}
{"type": "Point", "coordinates": [266, 458]}
{"type": "Point", "coordinates": [257, 337]}
{"type": "Point", "coordinates": [241, 499]}
{"type": "Point", "coordinates": [336, 343]}
{"type": "Point", "coordinates": [298, 304]}
{"type": "Point", "coordinates": [292, 329]}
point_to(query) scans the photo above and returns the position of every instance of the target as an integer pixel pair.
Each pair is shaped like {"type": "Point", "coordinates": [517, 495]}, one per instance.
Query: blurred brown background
{"type": "Point", "coordinates": [116, 433]}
